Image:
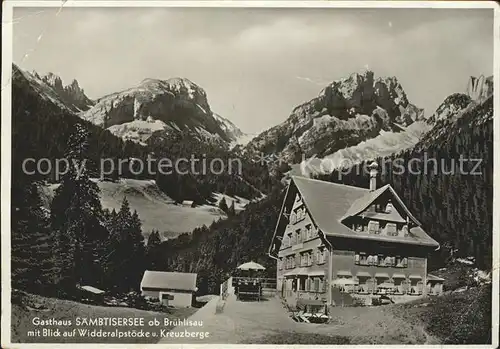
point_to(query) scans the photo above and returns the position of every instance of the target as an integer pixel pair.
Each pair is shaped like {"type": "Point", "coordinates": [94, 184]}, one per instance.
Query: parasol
{"type": "Point", "coordinates": [251, 266]}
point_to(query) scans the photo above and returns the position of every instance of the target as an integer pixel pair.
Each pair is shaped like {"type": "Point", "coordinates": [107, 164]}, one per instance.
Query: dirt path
{"type": "Point", "coordinates": [238, 321]}
{"type": "Point", "coordinates": [256, 322]}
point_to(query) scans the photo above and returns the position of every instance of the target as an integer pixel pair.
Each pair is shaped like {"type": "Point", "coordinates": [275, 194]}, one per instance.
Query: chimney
{"type": "Point", "coordinates": [373, 175]}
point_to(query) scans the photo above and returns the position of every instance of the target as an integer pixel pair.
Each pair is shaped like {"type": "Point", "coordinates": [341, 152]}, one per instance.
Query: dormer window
{"type": "Point", "coordinates": [373, 227]}
{"type": "Point", "coordinates": [389, 208]}
{"type": "Point", "coordinates": [391, 229]}
{"type": "Point", "coordinates": [357, 227]}
{"type": "Point", "coordinates": [405, 230]}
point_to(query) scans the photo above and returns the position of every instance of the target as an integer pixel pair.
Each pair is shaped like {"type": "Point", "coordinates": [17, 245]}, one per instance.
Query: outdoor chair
{"type": "Point", "coordinates": [301, 315]}
{"type": "Point", "coordinates": [319, 316]}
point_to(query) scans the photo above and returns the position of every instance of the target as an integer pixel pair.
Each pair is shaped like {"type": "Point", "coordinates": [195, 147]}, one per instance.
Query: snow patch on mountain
{"type": "Point", "coordinates": [180, 106]}
{"type": "Point", "coordinates": [385, 144]}
{"type": "Point", "coordinates": [239, 202]}
{"type": "Point", "coordinates": [233, 132]}
{"type": "Point", "coordinates": [156, 210]}
{"type": "Point", "coordinates": [138, 130]}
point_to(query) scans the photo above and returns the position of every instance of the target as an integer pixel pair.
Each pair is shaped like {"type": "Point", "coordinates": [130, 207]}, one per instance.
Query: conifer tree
{"type": "Point", "coordinates": [126, 256]}
{"type": "Point", "coordinates": [76, 217]}
{"type": "Point", "coordinates": [153, 239]}
{"type": "Point", "coordinates": [33, 266]}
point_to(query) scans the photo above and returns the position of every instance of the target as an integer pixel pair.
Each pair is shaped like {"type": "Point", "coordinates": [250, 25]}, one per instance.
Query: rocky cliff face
{"type": "Point", "coordinates": [450, 108]}
{"type": "Point", "coordinates": [346, 112]}
{"type": "Point", "coordinates": [173, 105]}
{"type": "Point", "coordinates": [72, 95]}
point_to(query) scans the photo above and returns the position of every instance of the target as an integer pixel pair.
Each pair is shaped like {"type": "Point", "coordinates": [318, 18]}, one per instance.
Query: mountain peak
{"type": "Point", "coordinates": [175, 105]}
{"type": "Point", "coordinates": [53, 80]}
{"type": "Point", "coordinates": [72, 95]}
{"type": "Point", "coordinates": [347, 111]}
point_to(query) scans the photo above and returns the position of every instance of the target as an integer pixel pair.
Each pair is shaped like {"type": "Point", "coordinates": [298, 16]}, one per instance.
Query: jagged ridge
{"type": "Point", "coordinates": [72, 95]}
{"type": "Point", "coordinates": [346, 112]}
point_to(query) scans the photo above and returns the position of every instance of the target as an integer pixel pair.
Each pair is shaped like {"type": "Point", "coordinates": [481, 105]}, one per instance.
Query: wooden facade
{"type": "Point", "coordinates": [385, 253]}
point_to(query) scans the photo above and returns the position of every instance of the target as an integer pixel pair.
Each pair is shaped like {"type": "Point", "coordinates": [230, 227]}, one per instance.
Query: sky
{"type": "Point", "coordinates": [256, 65]}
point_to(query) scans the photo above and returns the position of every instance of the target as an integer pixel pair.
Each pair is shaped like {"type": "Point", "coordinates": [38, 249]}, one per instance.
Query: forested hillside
{"type": "Point", "coordinates": [454, 208]}
{"type": "Point", "coordinates": [214, 252]}
{"type": "Point", "coordinates": [76, 240]}
{"type": "Point", "coordinates": [41, 126]}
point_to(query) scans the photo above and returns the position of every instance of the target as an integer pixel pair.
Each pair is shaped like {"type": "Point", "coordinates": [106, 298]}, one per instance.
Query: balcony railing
{"type": "Point", "coordinates": [266, 283]}
{"type": "Point", "coordinates": [381, 290]}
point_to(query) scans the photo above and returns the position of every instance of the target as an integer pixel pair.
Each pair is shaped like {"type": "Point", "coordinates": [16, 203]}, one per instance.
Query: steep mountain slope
{"type": "Point", "coordinates": [235, 134]}
{"type": "Point", "coordinates": [72, 95]}
{"type": "Point", "coordinates": [387, 143]}
{"type": "Point", "coordinates": [42, 123]}
{"type": "Point", "coordinates": [346, 112]}
{"type": "Point", "coordinates": [175, 105]}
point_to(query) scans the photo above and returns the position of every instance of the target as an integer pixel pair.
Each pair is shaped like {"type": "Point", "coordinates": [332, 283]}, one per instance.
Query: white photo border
{"type": "Point", "coordinates": [7, 33]}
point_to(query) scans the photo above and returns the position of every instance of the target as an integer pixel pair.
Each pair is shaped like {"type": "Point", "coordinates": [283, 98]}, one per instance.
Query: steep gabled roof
{"type": "Point", "coordinates": [330, 203]}
{"type": "Point", "coordinates": [392, 216]}
{"type": "Point", "coordinates": [364, 202]}
{"type": "Point", "coordinates": [169, 280]}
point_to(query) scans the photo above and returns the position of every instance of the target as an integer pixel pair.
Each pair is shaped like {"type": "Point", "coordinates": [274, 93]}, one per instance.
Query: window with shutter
{"type": "Point", "coordinates": [299, 215]}
{"type": "Point", "coordinates": [316, 284]}
{"type": "Point", "coordinates": [391, 229]}
{"type": "Point", "coordinates": [388, 261]}
{"type": "Point", "coordinates": [381, 260]}
{"type": "Point", "coordinates": [404, 230]}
